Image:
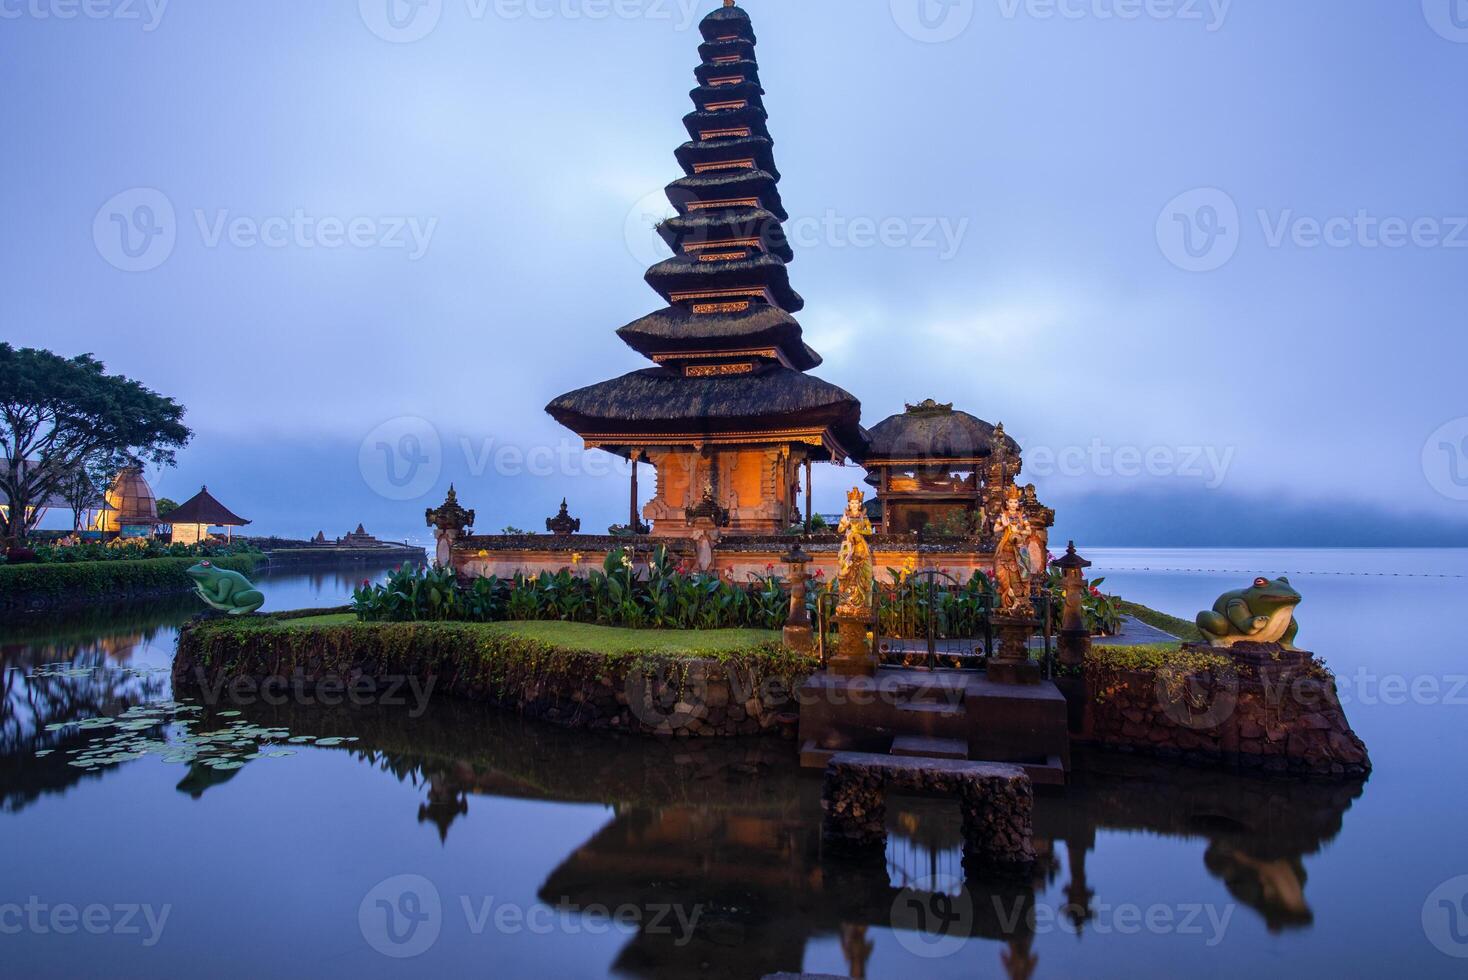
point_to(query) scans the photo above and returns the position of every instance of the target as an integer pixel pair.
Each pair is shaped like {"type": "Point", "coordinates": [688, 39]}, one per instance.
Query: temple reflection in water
{"type": "Point", "coordinates": [735, 829]}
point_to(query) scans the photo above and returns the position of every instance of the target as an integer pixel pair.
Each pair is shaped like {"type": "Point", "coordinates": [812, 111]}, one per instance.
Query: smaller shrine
{"type": "Point", "coordinates": [129, 508]}
{"type": "Point", "coordinates": [192, 520]}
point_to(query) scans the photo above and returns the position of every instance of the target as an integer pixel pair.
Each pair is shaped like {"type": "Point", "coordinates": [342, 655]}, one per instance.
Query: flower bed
{"type": "Point", "coordinates": [703, 683]}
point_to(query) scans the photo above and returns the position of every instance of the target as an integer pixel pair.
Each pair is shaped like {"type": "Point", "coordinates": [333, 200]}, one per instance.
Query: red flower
{"type": "Point", "coordinates": [820, 573]}
{"type": "Point", "coordinates": [1095, 592]}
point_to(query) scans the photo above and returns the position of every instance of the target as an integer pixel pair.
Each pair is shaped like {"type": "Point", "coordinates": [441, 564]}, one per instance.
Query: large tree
{"type": "Point", "coordinates": [58, 413]}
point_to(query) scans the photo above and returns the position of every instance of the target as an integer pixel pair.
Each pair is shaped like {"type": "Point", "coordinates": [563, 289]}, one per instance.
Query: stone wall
{"type": "Point", "coordinates": [647, 696]}
{"type": "Point", "coordinates": [1276, 716]}
{"type": "Point", "coordinates": [740, 557]}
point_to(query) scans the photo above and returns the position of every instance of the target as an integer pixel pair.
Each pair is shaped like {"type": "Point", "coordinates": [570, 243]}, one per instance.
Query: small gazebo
{"type": "Point", "coordinates": [927, 466]}
{"type": "Point", "coordinates": [194, 517]}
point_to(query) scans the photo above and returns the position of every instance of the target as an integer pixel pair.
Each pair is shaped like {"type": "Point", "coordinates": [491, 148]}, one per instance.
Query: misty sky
{"type": "Point", "coordinates": [1209, 259]}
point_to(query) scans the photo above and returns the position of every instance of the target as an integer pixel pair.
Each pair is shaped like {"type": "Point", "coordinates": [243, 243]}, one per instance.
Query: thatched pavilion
{"type": "Point", "coordinates": [194, 517]}
{"type": "Point", "coordinates": [729, 416]}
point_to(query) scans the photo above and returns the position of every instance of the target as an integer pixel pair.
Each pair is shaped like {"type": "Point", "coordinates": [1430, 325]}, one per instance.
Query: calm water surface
{"type": "Point", "coordinates": [538, 851]}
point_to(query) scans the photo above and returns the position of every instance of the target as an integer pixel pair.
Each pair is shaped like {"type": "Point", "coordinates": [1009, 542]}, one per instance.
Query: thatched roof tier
{"type": "Point", "coordinates": [661, 406]}
{"type": "Point", "coordinates": [931, 433]}
{"type": "Point", "coordinates": [727, 22]}
{"type": "Point", "coordinates": [760, 149]}
{"type": "Point", "coordinates": [727, 185]}
{"type": "Point", "coordinates": [727, 225]}
{"type": "Point", "coordinates": [706, 96]}
{"type": "Point", "coordinates": [711, 51]}
{"type": "Point", "coordinates": [746, 68]}
{"type": "Point", "coordinates": [678, 329]}
{"type": "Point", "coordinates": [681, 274]}
{"type": "Point", "coordinates": [751, 116]}
{"type": "Point", "coordinates": [202, 509]}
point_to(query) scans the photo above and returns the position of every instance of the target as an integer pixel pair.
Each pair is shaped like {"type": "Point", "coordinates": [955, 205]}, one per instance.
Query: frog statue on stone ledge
{"type": "Point", "coordinates": [225, 590]}
{"type": "Point", "coordinates": [1264, 613]}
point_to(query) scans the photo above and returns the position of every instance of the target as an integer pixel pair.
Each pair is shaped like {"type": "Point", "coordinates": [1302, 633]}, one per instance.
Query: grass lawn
{"type": "Point", "coordinates": [584, 636]}
{"type": "Point", "coordinates": [573, 636]}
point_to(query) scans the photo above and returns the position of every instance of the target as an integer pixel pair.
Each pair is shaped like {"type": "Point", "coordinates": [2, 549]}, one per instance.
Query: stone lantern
{"type": "Point", "coordinates": [1075, 638]}
{"type": "Point", "coordinates": [797, 632]}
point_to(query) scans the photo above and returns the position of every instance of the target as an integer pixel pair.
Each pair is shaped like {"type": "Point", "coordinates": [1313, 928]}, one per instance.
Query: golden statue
{"type": "Point", "coordinates": [1012, 571]}
{"type": "Point", "coordinates": [854, 575]}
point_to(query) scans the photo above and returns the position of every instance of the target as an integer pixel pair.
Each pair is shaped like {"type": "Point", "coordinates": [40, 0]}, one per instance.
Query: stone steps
{"type": "Point", "coordinates": [928, 747]}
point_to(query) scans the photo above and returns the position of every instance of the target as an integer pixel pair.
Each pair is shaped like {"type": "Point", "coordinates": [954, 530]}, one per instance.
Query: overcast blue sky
{"type": "Point", "coordinates": [1205, 259]}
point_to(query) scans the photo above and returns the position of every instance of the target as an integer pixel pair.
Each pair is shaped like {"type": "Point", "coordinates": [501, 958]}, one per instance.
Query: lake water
{"type": "Point", "coordinates": [485, 844]}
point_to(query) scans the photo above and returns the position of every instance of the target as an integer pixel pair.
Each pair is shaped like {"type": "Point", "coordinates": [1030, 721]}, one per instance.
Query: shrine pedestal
{"type": "Point", "coordinates": [1012, 664]}
{"type": "Point", "coordinates": [854, 657]}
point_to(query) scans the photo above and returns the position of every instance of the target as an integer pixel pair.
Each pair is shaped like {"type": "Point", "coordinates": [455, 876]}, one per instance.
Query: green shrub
{"type": "Point", "coordinates": [115, 579]}
{"type": "Point", "coordinates": [654, 593]}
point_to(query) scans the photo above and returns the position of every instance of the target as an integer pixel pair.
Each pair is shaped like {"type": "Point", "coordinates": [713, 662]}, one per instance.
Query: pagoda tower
{"type": "Point", "coordinates": [729, 415]}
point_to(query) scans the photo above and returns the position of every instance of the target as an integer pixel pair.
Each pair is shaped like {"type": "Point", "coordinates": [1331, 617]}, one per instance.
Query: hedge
{"type": "Point", "coordinates": [64, 583]}
{"type": "Point", "coordinates": [573, 677]}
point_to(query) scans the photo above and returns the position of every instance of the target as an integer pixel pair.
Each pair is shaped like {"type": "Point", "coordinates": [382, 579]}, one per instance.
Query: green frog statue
{"type": "Point", "coordinates": [225, 590]}
{"type": "Point", "coordinates": [1264, 613]}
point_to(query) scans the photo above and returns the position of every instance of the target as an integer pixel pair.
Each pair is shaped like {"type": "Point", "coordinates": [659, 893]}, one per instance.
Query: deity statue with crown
{"type": "Point", "coordinates": [854, 562]}
{"type": "Point", "coordinates": [1012, 571]}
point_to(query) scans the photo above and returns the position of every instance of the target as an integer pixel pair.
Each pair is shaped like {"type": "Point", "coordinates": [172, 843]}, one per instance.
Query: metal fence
{"type": "Point", "coordinates": [929, 619]}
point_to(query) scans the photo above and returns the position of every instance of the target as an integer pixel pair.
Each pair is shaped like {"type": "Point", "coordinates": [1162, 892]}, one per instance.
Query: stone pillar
{"type": "Point", "coordinates": [1011, 663]}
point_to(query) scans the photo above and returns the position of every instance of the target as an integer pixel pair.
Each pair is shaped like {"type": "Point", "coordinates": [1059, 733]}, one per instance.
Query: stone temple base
{"type": "Point", "coordinates": [996, 803]}
{"type": "Point", "coordinates": [853, 657]}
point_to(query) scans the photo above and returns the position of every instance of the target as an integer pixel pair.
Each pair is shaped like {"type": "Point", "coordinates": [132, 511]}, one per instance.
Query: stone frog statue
{"type": "Point", "coordinates": [1263, 613]}
{"type": "Point", "coordinates": [225, 590]}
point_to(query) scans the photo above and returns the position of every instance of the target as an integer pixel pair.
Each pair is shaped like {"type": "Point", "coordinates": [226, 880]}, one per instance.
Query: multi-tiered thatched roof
{"type": "Point", "coordinates": [731, 356]}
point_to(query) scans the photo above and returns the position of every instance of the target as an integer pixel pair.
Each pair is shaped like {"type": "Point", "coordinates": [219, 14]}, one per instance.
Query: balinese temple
{"type": "Point", "coordinates": [728, 415]}
{"type": "Point", "coordinates": [193, 518]}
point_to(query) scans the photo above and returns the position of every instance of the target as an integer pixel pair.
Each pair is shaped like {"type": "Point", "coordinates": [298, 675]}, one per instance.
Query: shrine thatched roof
{"type": "Point", "coordinates": [203, 509]}
{"type": "Point", "coordinates": [932, 431]}
{"type": "Point", "coordinates": [662, 400]}
{"type": "Point", "coordinates": [727, 223]}
{"type": "Point", "coordinates": [678, 329]}
{"type": "Point", "coordinates": [722, 185]}
{"type": "Point", "coordinates": [726, 21]}
{"type": "Point", "coordinates": [680, 274]}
